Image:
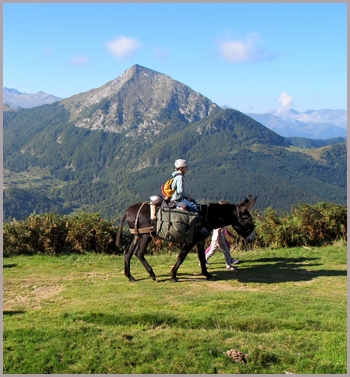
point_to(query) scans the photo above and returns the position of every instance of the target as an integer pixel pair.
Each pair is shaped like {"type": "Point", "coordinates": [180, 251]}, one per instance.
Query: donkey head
{"type": "Point", "coordinates": [244, 225]}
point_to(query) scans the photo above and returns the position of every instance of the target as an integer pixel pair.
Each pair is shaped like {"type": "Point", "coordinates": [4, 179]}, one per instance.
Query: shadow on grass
{"type": "Point", "coordinates": [182, 278]}
{"type": "Point", "coordinates": [10, 265]}
{"type": "Point", "coordinates": [276, 270]}
{"type": "Point", "coordinates": [12, 312]}
{"type": "Point", "coordinates": [264, 270]}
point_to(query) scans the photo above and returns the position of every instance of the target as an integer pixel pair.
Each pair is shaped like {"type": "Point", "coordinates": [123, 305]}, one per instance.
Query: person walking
{"type": "Point", "coordinates": [219, 241]}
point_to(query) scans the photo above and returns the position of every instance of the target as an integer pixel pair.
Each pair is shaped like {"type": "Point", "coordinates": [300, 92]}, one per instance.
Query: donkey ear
{"type": "Point", "coordinates": [246, 200]}
{"type": "Point", "coordinates": [249, 205]}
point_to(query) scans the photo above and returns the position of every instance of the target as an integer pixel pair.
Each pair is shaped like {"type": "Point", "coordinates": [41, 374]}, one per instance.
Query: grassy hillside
{"type": "Point", "coordinates": [230, 156]}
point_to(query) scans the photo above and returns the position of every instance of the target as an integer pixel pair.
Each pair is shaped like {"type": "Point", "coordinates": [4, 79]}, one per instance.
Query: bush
{"type": "Point", "coordinates": [306, 225]}
{"type": "Point", "coordinates": [322, 223]}
{"type": "Point", "coordinates": [89, 232]}
{"type": "Point", "coordinates": [49, 233]}
{"type": "Point", "coordinates": [38, 233]}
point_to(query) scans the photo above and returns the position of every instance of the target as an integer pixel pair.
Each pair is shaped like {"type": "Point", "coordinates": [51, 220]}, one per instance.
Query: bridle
{"type": "Point", "coordinates": [240, 218]}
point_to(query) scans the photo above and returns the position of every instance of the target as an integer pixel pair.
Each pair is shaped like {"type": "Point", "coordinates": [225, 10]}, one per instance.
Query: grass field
{"type": "Point", "coordinates": [285, 310]}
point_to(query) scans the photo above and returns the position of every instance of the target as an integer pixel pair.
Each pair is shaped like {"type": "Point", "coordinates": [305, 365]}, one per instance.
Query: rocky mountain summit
{"type": "Point", "coordinates": [143, 101]}
{"type": "Point", "coordinates": [140, 101]}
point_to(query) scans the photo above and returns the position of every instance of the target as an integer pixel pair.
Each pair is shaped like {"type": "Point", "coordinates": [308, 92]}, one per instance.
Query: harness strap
{"type": "Point", "coordinates": [150, 229]}
{"type": "Point", "coordinates": [136, 230]}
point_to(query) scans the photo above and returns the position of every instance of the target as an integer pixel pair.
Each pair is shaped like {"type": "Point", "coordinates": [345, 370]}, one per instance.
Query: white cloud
{"type": "Point", "coordinates": [79, 60]}
{"type": "Point", "coordinates": [286, 101]}
{"type": "Point", "coordinates": [250, 49]}
{"type": "Point", "coordinates": [123, 46]}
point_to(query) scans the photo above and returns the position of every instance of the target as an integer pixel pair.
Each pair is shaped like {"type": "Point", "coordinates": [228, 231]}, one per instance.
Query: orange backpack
{"type": "Point", "coordinates": [167, 191]}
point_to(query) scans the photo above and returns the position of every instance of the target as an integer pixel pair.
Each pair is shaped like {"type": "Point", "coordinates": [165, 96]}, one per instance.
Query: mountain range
{"type": "Point", "coordinates": [15, 99]}
{"type": "Point", "coordinates": [313, 124]}
{"type": "Point", "coordinates": [109, 147]}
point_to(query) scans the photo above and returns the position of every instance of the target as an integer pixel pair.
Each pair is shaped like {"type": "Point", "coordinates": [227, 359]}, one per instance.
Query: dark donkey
{"type": "Point", "coordinates": [214, 215]}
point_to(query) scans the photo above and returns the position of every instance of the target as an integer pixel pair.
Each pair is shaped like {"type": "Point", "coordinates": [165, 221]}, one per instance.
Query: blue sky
{"type": "Point", "coordinates": [254, 57]}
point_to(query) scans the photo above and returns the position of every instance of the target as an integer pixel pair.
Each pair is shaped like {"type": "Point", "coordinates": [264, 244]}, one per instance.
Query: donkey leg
{"type": "Point", "coordinates": [139, 253]}
{"type": "Point", "coordinates": [201, 257]}
{"type": "Point", "coordinates": [128, 252]}
{"type": "Point", "coordinates": [180, 258]}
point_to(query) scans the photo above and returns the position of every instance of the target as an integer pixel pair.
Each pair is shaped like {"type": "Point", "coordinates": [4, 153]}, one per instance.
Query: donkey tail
{"type": "Point", "coordinates": [118, 242]}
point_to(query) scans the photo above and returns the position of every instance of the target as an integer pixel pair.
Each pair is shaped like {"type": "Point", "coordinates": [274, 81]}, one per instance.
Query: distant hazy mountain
{"type": "Point", "coordinates": [15, 99]}
{"type": "Point", "coordinates": [314, 124]}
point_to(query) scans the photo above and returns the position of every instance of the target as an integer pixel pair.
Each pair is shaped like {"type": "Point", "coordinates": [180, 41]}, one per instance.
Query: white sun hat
{"type": "Point", "coordinates": [180, 163]}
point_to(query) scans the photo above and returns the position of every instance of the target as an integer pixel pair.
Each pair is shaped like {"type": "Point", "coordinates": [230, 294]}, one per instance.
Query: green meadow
{"type": "Point", "coordinates": [285, 310]}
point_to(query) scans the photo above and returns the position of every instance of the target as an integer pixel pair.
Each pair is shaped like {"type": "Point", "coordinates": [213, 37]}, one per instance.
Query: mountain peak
{"type": "Point", "coordinates": [139, 68]}
{"type": "Point", "coordinates": [11, 90]}
{"type": "Point", "coordinates": [140, 100]}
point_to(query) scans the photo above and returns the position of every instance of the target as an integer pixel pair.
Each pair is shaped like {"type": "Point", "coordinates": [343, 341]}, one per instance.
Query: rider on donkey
{"type": "Point", "coordinates": [181, 198]}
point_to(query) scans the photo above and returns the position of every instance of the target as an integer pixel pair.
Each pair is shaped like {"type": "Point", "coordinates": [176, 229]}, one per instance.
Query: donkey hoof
{"type": "Point", "coordinates": [153, 277]}
{"type": "Point", "coordinates": [132, 279]}
{"type": "Point", "coordinates": [174, 279]}
{"type": "Point", "coordinates": [209, 276]}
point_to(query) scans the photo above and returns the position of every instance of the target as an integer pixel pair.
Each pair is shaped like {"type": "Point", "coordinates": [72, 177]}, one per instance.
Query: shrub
{"type": "Point", "coordinates": [322, 223]}
{"type": "Point", "coordinates": [37, 233]}
{"type": "Point", "coordinates": [50, 233]}
{"type": "Point", "coordinates": [89, 232]}
{"type": "Point", "coordinates": [306, 225]}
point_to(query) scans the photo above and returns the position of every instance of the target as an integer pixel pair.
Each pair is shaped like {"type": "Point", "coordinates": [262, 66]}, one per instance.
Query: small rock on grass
{"type": "Point", "coordinates": [237, 356]}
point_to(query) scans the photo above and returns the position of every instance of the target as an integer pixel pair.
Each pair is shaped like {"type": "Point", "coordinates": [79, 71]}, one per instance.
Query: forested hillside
{"type": "Point", "coordinates": [304, 142]}
{"type": "Point", "coordinates": [230, 156]}
{"type": "Point", "coordinates": [53, 163]}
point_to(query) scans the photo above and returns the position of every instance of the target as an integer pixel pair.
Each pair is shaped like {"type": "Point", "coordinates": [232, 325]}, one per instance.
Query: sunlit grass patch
{"type": "Point", "coordinates": [285, 309]}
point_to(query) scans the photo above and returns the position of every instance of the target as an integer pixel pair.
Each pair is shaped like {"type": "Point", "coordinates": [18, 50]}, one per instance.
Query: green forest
{"type": "Point", "coordinates": [230, 156]}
